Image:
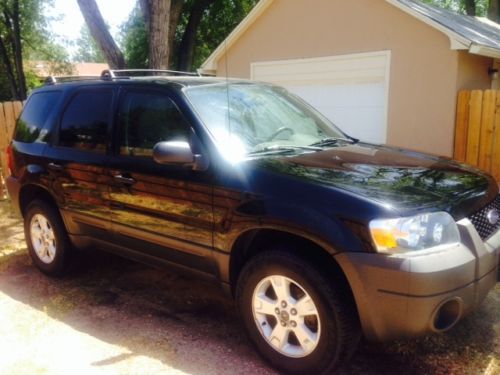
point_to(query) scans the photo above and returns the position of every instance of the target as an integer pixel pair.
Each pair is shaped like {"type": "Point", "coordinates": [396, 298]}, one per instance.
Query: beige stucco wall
{"type": "Point", "coordinates": [424, 70]}
{"type": "Point", "coordinates": [473, 71]}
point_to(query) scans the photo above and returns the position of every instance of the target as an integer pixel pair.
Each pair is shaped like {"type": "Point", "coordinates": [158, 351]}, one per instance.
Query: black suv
{"type": "Point", "coordinates": [319, 237]}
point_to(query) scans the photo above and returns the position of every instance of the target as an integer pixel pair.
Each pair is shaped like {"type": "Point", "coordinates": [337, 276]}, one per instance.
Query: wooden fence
{"type": "Point", "coordinates": [9, 111]}
{"type": "Point", "coordinates": [477, 130]}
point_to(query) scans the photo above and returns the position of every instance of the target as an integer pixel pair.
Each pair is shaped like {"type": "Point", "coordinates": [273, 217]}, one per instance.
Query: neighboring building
{"type": "Point", "coordinates": [385, 71]}
{"type": "Point", "coordinates": [48, 68]}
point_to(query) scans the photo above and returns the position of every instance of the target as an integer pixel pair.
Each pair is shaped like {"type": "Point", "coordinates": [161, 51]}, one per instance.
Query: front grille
{"type": "Point", "coordinates": [480, 220]}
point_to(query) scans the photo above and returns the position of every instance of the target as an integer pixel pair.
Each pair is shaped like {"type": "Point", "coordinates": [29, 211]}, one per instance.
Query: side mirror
{"type": "Point", "coordinates": [178, 152]}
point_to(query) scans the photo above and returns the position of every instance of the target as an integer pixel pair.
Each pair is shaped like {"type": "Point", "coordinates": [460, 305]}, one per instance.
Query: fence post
{"type": "Point", "coordinates": [462, 125]}
{"type": "Point", "coordinates": [495, 162]}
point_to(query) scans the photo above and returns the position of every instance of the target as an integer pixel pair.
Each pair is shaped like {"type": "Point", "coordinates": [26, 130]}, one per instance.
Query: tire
{"type": "Point", "coordinates": [326, 332]}
{"type": "Point", "coordinates": [47, 239]}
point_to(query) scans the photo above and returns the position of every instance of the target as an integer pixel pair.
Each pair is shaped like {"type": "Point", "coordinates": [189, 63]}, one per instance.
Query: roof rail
{"type": "Point", "coordinates": [110, 74]}
{"type": "Point", "coordinates": [52, 80]}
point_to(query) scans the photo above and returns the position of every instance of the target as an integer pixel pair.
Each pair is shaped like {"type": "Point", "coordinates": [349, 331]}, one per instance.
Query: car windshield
{"type": "Point", "coordinates": [249, 118]}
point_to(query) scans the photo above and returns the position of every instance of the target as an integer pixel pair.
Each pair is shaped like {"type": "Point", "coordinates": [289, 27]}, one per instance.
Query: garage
{"type": "Point", "coordinates": [351, 90]}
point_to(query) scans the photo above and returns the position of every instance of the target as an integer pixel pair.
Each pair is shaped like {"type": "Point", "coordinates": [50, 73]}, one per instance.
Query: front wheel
{"type": "Point", "coordinates": [298, 319]}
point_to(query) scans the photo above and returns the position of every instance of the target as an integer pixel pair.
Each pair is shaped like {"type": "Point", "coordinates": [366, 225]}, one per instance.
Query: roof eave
{"type": "Point", "coordinates": [210, 64]}
{"type": "Point", "coordinates": [478, 49]}
{"type": "Point", "coordinates": [457, 41]}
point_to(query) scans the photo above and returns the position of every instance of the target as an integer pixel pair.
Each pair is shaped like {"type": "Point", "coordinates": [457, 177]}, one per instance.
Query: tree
{"type": "Point", "coordinates": [481, 8]}
{"type": "Point", "coordinates": [188, 41]}
{"type": "Point", "coordinates": [135, 40]}
{"type": "Point", "coordinates": [494, 10]}
{"type": "Point", "coordinates": [200, 26]}
{"type": "Point", "coordinates": [470, 7]}
{"type": "Point", "coordinates": [11, 48]}
{"type": "Point", "coordinates": [190, 30]}
{"type": "Point", "coordinates": [157, 15]}
{"type": "Point", "coordinates": [101, 34]}
{"type": "Point", "coordinates": [24, 37]}
{"type": "Point", "coordinates": [88, 50]}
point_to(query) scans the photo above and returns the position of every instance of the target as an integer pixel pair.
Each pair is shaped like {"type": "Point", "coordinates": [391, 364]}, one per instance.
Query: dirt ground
{"type": "Point", "coordinates": [113, 316]}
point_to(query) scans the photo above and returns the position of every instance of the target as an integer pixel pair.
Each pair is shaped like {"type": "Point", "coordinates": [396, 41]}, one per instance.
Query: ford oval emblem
{"type": "Point", "coordinates": [493, 216]}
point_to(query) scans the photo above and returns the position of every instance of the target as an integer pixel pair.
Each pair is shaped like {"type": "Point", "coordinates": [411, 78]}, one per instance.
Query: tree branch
{"type": "Point", "coordinates": [100, 33]}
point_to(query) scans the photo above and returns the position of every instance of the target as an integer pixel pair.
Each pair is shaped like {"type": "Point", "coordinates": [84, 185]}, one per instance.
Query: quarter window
{"type": "Point", "coordinates": [146, 119]}
{"type": "Point", "coordinates": [85, 122]}
{"type": "Point", "coordinates": [35, 114]}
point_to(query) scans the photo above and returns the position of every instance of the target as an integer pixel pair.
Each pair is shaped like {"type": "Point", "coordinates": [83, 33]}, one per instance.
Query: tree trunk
{"type": "Point", "coordinates": [186, 48]}
{"type": "Point", "coordinates": [100, 33]}
{"type": "Point", "coordinates": [158, 14]}
{"type": "Point", "coordinates": [494, 11]}
{"type": "Point", "coordinates": [175, 14]}
{"type": "Point", "coordinates": [10, 71]}
{"type": "Point", "coordinates": [18, 52]}
{"type": "Point", "coordinates": [470, 7]}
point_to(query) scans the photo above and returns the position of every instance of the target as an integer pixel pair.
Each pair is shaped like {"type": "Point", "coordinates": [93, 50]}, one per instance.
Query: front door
{"type": "Point", "coordinates": [161, 212]}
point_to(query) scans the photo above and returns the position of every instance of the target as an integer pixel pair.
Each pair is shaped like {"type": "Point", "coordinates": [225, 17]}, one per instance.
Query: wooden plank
{"type": "Point", "coordinates": [3, 128]}
{"type": "Point", "coordinates": [473, 132]}
{"type": "Point", "coordinates": [10, 118]}
{"type": "Point", "coordinates": [3, 144]}
{"type": "Point", "coordinates": [487, 127]}
{"type": "Point", "coordinates": [495, 159]}
{"type": "Point", "coordinates": [461, 125]}
{"type": "Point", "coordinates": [18, 107]}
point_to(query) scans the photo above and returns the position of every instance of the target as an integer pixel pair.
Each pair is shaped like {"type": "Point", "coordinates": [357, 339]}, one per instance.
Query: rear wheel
{"type": "Point", "coordinates": [298, 319]}
{"type": "Point", "coordinates": [46, 237]}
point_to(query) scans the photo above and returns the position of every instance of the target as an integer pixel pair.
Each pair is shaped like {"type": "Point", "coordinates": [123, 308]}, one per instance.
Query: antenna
{"type": "Point", "coordinates": [227, 88]}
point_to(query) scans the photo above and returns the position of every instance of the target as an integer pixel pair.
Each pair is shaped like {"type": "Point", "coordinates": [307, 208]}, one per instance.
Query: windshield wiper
{"type": "Point", "coordinates": [278, 149]}
{"type": "Point", "coordinates": [330, 141]}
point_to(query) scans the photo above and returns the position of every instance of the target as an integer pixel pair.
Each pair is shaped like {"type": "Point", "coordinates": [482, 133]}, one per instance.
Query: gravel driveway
{"type": "Point", "coordinates": [113, 316]}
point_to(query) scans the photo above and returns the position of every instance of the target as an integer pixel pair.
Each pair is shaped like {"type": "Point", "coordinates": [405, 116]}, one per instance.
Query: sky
{"type": "Point", "coordinates": [70, 19]}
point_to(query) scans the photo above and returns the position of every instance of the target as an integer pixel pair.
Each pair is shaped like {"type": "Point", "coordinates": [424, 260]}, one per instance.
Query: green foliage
{"type": "Point", "coordinates": [37, 43]}
{"type": "Point", "coordinates": [87, 51]}
{"type": "Point", "coordinates": [220, 18]}
{"type": "Point", "coordinates": [459, 6]}
{"type": "Point", "coordinates": [135, 40]}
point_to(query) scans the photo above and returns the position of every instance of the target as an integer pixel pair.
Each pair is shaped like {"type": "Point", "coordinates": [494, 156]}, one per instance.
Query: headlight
{"type": "Point", "coordinates": [414, 233]}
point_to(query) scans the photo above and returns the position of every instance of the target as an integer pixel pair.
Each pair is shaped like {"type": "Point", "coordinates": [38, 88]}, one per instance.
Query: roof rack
{"type": "Point", "coordinates": [110, 74]}
{"type": "Point", "coordinates": [52, 80]}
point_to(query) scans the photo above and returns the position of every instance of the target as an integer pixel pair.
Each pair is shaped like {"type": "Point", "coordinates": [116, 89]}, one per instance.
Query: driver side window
{"type": "Point", "coordinates": [146, 119]}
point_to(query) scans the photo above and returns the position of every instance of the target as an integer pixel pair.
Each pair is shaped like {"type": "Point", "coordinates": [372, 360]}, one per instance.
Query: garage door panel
{"type": "Point", "coordinates": [356, 109]}
{"type": "Point", "coordinates": [350, 90]}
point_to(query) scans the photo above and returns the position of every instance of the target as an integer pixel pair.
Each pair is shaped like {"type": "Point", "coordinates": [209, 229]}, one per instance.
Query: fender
{"type": "Point", "coordinates": [329, 233]}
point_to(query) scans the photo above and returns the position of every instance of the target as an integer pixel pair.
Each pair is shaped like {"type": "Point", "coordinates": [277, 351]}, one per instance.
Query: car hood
{"type": "Point", "coordinates": [400, 180]}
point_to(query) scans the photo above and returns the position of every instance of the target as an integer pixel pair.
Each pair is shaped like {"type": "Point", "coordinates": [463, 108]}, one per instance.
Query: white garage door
{"type": "Point", "coordinates": [351, 90]}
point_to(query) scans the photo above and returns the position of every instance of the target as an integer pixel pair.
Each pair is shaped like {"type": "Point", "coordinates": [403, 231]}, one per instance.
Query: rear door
{"type": "Point", "coordinates": [161, 212]}
{"type": "Point", "coordinates": [77, 160]}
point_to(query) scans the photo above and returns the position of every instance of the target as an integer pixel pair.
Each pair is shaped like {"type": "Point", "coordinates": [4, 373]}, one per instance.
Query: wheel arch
{"type": "Point", "coordinates": [256, 241]}
{"type": "Point", "coordinates": [29, 193]}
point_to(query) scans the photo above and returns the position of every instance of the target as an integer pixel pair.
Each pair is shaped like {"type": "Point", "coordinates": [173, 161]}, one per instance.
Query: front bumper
{"type": "Point", "coordinates": [413, 294]}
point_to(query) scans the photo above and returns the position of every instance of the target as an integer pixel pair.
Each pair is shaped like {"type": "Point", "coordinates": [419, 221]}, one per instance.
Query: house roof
{"type": "Point", "coordinates": [477, 35]}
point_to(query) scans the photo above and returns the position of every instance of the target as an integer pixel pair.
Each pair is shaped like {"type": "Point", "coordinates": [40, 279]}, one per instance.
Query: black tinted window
{"type": "Point", "coordinates": [35, 113]}
{"type": "Point", "coordinates": [146, 119]}
{"type": "Point", "coordinates": [85, 122]}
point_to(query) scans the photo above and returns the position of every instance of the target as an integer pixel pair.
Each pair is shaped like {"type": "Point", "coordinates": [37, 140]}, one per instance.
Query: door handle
{"type": "Point", "coordinates": [124, 180]}
{"type": "Point", "coordinates": [55, 167]}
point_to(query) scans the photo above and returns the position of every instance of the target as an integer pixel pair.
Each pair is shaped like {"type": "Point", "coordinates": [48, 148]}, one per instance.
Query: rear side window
{"type": "Point", "coordinates": [35, 114]}
{"type": "Point", "coordinates": [84, 124]}
{"type": "Point", "coordinates": [146, 119]}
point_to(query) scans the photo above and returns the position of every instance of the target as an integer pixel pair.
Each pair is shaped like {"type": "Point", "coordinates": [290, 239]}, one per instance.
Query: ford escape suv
{"type": "Point", "coordinates": [319, 237]}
